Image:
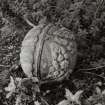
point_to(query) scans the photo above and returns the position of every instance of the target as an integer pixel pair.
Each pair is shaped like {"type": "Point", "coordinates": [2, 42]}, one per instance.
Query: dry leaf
{"type": "Point", "coordinates": [18, 100]}
{"type": "Point", "coordinates": [103, 92]}
{"type": "Point", "coordinates": [98, 90]}
{"type": "Point", "coordinates": [75, 97]}
{"type": "Point", "coordinates": [37, 103]}
{"type": "Point", "coordinates": [64, 102]}
{"type": "Point", "coordinates": [68, 94]}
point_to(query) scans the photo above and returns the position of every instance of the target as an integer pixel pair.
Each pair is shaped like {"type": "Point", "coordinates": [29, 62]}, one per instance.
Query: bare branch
{"type": "Point", "coordinates": [4, 65]}
{"type": "Point", "coordinates": [28, 22]}
{"type": "Point", "coordinates": [96, 75]}
{"type": "Point", "coordinates": [91, 69]}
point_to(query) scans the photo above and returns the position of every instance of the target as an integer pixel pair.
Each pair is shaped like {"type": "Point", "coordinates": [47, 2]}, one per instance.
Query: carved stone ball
{"type": "Point", "coordinates": [52, 52]}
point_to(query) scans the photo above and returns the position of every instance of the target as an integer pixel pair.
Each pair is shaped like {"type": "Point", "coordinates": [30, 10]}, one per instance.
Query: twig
{"type": "Point", "coordinates": [76, 12]}
{"type": "Point", "coordinates": [98, 8]}
{"type": "Point", "coordinates": [44, 101]}
{"type": "Point", "coordinates": [96, 75]}
{"type": "Point", "coordinates": [28, 22]}
{"type": "Point", "coordinates": [83, 2]}
{"type": "Point", "coordinates": [4, 65]}
{"type": "Point", "coordinates": [90, 69]}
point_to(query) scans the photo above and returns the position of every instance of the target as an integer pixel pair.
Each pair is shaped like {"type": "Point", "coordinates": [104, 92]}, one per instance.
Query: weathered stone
{"type": "Point", "coordinates": [56, 48]}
